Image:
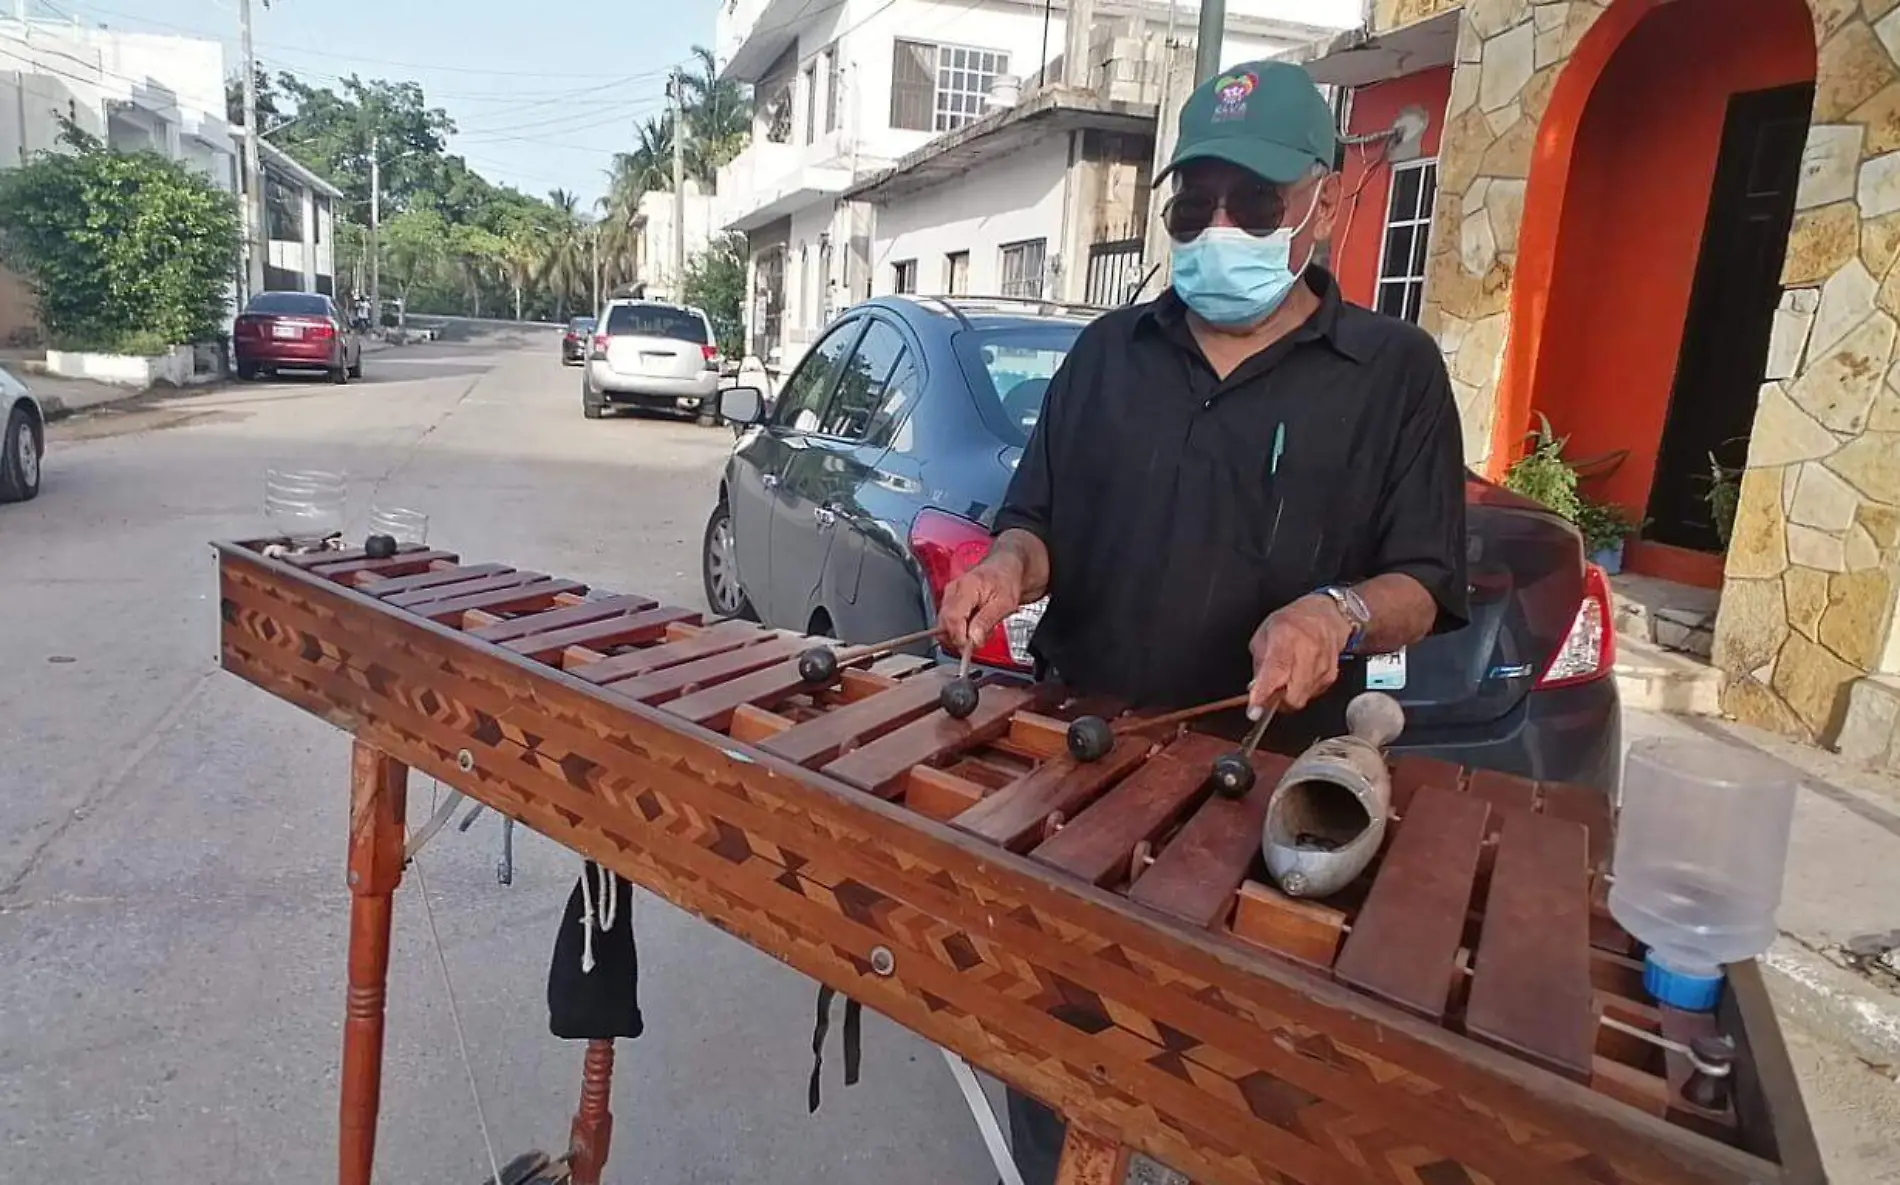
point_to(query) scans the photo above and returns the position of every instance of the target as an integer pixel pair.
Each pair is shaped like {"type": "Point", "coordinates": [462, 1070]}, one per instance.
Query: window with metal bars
{"type": "Point", "coordinates": [1408, 232]}
{"type": "Point", "coordinates": [904, 277]}
{"type": "Point", "coordinates": [1022, 268]}
{"type": "Point", "coordinates": [938, 88]}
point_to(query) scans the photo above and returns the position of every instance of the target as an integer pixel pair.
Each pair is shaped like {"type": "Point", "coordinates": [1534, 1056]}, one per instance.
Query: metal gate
{"type": "Point", "coordinates": [1114, 272]}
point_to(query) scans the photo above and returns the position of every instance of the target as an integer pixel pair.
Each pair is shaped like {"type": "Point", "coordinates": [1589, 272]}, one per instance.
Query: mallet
{"type": "Point", "coordinates": [1091, 738]}
{"type": "Point", "coordinates": [1232, 773]}
{"type": "Point", "coordinates": [959, 696]}
{"type": "Point", "coordinates": [820, 664]}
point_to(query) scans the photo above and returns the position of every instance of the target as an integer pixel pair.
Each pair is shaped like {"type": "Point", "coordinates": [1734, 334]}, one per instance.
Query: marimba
{"type": "Point", "coordinates": [1098, 935]}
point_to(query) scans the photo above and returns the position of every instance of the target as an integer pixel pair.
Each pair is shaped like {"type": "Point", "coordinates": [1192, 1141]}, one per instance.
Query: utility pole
{"type": "Point", "coordinates": [593, 243]}
{"type": "Point", "coordinates": [1207, 41]}
{"type": "Point", "coordinates": [256, 243]}
{"type": "Point", "coordinates": [375, 239]}
{"type": "Point", "coordinates": [679, 185]}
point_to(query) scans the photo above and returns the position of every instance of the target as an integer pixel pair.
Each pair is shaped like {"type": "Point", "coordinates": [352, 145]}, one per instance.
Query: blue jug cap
{"type": "Point", "coordinates": [1681, 989]}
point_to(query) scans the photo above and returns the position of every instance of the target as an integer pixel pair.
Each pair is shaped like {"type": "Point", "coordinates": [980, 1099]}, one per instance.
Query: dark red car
{"type": "Point", "coordinates": [296, 331]}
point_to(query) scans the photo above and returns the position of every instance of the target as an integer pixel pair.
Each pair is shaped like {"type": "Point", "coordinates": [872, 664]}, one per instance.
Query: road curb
{"type": "Point", "coordinates": [54, 409]}
{"type": "Point", "coordinates": [1833, 1002]}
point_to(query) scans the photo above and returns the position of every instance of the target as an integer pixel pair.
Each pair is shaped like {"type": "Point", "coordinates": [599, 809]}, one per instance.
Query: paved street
{"type": "Point", "coordinates": [172, 905]}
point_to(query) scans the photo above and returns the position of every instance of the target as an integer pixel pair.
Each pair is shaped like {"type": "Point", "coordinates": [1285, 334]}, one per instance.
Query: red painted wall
{"type": "Point", "coordinates": [1356, 246]}
{"type": "Point", "coordinates": [1631, 223]}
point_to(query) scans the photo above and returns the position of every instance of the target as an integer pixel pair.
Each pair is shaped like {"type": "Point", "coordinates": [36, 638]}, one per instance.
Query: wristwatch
{"type": "Point", "coordinates": [1353, 606]}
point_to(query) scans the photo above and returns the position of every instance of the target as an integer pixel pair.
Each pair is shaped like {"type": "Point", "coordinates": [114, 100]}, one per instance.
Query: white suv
{"type": "Point", "coordinates": [651, 354]}
{"type": "Point", "coordinates": [22, 440]}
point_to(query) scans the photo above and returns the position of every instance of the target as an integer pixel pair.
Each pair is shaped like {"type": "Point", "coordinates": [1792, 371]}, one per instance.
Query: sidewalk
{"type": "Point", "coordinates": [62, 397]}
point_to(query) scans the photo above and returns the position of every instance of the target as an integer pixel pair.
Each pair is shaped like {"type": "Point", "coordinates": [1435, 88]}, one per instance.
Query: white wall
{"type": "Point", "coordinates": [47, 66]}
{"type": "Point", "coordinates": [1005, 200]}
{"type": "Point", "coordinates": [703, 220]}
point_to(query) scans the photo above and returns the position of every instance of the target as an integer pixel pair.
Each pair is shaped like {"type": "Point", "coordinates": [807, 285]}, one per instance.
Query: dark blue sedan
{"type": "Point", "coordinates": [870, 482]}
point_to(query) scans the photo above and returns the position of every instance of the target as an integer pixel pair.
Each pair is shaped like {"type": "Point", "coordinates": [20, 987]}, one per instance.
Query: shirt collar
{"type": "Point", "coordinates": [1168, 313]}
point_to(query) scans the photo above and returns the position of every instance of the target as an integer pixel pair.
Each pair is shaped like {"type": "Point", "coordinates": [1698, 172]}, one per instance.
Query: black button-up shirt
{"type": "Point", "coordinates": [1179, 508]}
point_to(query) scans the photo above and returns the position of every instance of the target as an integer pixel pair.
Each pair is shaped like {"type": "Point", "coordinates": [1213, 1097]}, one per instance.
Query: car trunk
{"type": "Point", "coordinates": [1525, 570]}
{"type": "Point", "coordinates": [287, 334]}
{"type": "Point", "coordinates": [655, 342]}
{"type": "Point", "coordinates": [637, 355]}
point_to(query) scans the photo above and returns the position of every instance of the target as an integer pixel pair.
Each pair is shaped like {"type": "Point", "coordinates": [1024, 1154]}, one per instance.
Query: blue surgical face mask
{"type": "Point", "coordinates": [1232, 278]}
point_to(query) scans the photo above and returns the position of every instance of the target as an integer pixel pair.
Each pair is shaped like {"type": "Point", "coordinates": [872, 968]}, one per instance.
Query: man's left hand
{"type": "Point", "coordinates": [1296, 652]}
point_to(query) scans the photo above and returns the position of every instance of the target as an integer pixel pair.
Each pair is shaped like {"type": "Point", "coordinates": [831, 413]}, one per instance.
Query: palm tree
{"type": "Point", "coordinates": [718, 117]}
{"type": "Point", "coordinates": [563, 266]}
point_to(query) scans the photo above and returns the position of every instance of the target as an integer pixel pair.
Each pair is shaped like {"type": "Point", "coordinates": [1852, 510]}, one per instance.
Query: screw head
{"type": "Point", "coordinates": [882, 960]}
{"type": "Point", "coordinates": [465, 761]}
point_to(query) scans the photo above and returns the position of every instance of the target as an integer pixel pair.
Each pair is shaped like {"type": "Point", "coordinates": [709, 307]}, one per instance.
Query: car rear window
{"type": "Point", "coordinates": [296, 304]}
{"type": "Point", "coordinates": [581, 324]}
{"type": "Point", "coordinates": [656, 321]}
{"type": "Point", "coordinates": [1009, 369]}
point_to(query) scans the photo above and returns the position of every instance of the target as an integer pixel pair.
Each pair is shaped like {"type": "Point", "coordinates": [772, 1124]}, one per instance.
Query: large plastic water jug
{"type": "Point", "coordinates": [1701, 844]}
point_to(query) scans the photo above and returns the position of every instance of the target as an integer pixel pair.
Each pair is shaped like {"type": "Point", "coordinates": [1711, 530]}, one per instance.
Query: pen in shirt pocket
{"type": "Point", "coordinates": [1279, 446]}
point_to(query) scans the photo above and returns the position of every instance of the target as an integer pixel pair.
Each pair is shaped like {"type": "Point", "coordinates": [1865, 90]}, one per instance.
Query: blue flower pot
{"type": "Point", "coordinates": [1610, 559]}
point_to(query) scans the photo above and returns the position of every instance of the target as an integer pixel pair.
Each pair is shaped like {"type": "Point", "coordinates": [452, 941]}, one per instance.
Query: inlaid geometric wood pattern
{"type": "Point", "coordinates": [1013, 944]}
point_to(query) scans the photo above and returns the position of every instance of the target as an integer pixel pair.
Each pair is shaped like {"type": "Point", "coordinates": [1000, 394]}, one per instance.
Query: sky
{"type": "Point", "coordinates": [542, 94]}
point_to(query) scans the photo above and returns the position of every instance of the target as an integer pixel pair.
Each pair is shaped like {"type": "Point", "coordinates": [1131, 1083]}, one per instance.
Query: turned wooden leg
{"type": "Point", "coordinates": [593, 1123]}
{"type": "Point", "coordinates": [378, 807]}
{"type": "Point", "coordinates": [1091, 1160]}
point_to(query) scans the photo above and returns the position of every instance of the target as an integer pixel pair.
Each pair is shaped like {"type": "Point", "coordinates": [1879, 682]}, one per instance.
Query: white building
{"type": "Point", "coordinates": [132, 91]}
{"type": "Point", "coordinates": [300, 220]}
{"type": "Point", "coordinates": [845, 90]}
{"type": "Point", "coordinates": [653, 224]}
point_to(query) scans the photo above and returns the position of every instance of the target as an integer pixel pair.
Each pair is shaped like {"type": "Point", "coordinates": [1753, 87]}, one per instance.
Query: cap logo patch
{"type": "Point", "coordinates": [1230, 94]}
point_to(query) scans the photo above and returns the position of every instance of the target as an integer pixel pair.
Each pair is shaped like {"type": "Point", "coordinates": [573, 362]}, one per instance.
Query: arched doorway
{"type": "Point", "coordinates": [1657, 213]}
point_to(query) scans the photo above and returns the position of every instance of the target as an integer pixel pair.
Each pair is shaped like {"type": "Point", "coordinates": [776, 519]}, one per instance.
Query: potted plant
{"type": "Point", "coordinates": [1545, 475]}
{"type": "Point", "coordinates": [1604, 527]}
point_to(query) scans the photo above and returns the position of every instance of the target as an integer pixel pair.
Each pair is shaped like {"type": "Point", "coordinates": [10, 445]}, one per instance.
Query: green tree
{"type": "Point", "coordinates": [715, 283]}
{"type": "Point", "coordinates": [718, 119]}
{"type": "Point", "coordinates": [127, 252]}
{"type": "Point", "coordinates": [415, 246]}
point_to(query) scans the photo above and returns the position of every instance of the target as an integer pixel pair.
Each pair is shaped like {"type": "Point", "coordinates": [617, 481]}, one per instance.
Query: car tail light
{"type": "Point", "coordinates": [1589, 649]}
{"type": "Point", "coordinates": [320, 331]}
{"type": "Point", "coordinates": [711, 354]}
{"type": "Point", "coordinates": [600, 345]}
{"type": "Point", "coordinates": [246, 327]}
{"type": "Point", "coordinates": [947, 546]}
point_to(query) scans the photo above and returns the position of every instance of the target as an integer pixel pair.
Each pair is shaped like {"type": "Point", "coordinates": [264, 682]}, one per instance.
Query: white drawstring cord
{"type": "Point", "coordinates": [609, 892]}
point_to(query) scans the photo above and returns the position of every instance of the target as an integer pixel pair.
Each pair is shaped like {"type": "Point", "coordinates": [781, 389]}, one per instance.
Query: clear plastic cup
{"type": "Point", "coordinates": [306, 505]}
{"type": "Point", "coordinates": [401, 524]}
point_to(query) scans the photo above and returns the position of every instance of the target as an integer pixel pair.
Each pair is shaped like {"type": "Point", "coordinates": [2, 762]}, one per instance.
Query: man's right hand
{"type": "Point", "coordinates": [976, 602]}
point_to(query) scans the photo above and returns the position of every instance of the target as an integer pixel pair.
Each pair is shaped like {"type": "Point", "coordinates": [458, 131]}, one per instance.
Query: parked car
{"type": "Point", "coordinates": [848, 507]}
{"type": "Point", "coordinates": [296, 331]}
{"type": "Point", "coordinates": [652, 355]}
{"type": "Point", "coordinates": [574, 341]}
{"type": "Point", "coordinates": [22, 440]}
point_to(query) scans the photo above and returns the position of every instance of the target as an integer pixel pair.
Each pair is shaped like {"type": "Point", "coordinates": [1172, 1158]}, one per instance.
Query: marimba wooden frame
{"type": "Point", "coordinates": [1144, 1033]}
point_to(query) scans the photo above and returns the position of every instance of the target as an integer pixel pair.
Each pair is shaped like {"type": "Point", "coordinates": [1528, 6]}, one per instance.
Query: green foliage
{"type": "Point", "coordinates": [473, 245]}
{"type": "Point", "coordinates": [1544, 475]}
{"type": "Point", "coordinates": [125, 251]}
{"type": "Point", "coordinates": [715, 283]}
{"type": "Point", "coordinates": [1723, 496]}
{"type": "Point", "coordinates": [1603, 525]}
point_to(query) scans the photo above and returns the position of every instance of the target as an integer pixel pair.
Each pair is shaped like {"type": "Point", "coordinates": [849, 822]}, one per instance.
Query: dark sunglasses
{"type": "Point", "coordinates": [1259, 208]}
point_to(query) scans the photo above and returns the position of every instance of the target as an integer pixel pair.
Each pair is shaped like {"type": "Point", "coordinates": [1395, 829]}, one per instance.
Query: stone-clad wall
{"type": "Point", "coordinates": [1809, 600]}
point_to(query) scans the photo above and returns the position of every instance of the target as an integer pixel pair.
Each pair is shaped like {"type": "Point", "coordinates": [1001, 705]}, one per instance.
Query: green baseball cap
{"type": "Point", "coordinates": [1266, 117]}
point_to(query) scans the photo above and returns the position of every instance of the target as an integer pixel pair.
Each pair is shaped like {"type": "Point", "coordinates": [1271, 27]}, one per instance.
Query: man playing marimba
{"type": "Point", "coordinates": [1244, 483]}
